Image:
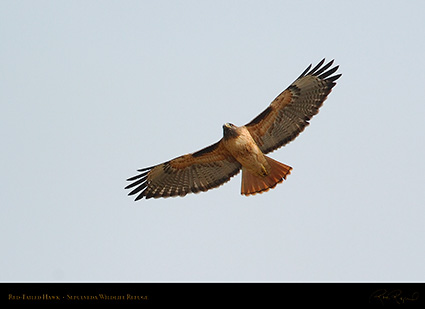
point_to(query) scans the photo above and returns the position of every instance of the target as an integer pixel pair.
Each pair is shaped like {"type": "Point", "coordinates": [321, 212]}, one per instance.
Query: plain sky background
{"type": "Point", "coordinates": [90, 91]}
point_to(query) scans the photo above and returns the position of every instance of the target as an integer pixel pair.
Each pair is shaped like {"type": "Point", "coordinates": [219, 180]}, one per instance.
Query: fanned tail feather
{"type": "Point", "coordinates": [252, 184]}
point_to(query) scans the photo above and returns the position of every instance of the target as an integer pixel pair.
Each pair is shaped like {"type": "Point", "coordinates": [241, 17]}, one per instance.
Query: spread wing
{"type": "Point", "coordinates": [199, 171]}
{"type": "Point", "coordinates": [289, 113]}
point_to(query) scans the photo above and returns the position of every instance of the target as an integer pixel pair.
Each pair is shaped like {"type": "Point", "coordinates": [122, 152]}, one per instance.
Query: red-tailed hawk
{"type": "Point", "coordinates": [243, 147]}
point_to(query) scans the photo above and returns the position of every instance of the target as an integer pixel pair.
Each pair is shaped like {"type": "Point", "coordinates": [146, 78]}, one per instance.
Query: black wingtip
{"type": "Point", "coordinates": [324, 68]}
{"type": "Point", "coordinates": [334, 78]}
{"type": "Point", "coordinates": [139, 197]}
{"type": "Point", "coordinates": [321, 71]}
{"type": "Point", "coordinates": [313, 71]}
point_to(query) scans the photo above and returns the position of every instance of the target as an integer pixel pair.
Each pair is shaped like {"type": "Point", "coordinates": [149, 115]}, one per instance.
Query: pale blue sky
{"type": "Point", "coordinates": [93, 90]}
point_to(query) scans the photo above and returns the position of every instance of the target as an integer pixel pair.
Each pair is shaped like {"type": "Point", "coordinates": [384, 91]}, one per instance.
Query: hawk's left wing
{"type": "Point", "coordinates": [287, 116]}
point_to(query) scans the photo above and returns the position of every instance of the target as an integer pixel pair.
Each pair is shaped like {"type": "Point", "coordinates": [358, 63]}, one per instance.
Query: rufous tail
{"type": "Point", "coordinates": [252, 184]}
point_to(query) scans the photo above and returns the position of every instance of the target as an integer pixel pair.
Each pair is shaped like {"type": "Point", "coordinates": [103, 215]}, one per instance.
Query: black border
{"type": "Point", "coordinates": [221, 294]}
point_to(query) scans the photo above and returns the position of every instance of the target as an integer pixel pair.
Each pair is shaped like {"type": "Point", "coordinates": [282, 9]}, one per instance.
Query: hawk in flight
{"type": "Point", "coordinates": [243, 147]}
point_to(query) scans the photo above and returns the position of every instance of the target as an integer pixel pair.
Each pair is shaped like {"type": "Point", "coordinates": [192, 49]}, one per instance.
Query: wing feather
{"type": "Point", "coordinates": [288, 115]}
{"type": "Point", "coordinates": [199, 171]}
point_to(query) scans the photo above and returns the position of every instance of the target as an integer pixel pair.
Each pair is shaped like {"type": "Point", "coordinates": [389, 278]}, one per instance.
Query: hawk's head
{"type": "Point", "coordinates": [230, 130]}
